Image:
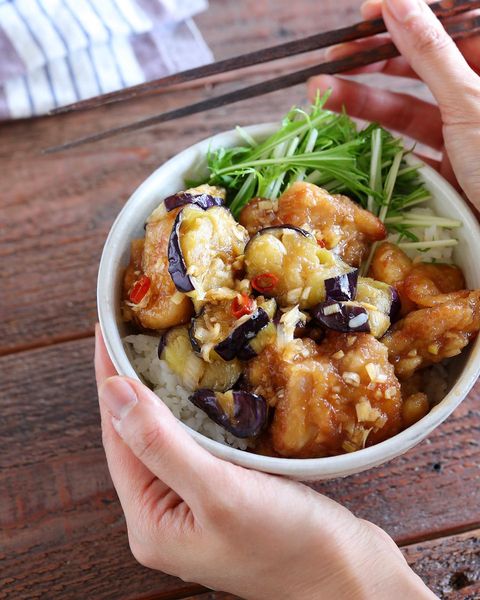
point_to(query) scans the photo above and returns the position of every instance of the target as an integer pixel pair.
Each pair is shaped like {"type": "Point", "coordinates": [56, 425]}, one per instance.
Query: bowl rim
{"type": "Point", "coordinates": [307, 468]}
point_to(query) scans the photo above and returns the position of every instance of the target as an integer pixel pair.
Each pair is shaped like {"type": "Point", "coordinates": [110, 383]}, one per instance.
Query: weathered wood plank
{"type": "Point", "coordinates": [57, 498]}
{"type": "Point", "coordinates": [450, 565]}
{"type": "Point", "coordinates": [62, 534]}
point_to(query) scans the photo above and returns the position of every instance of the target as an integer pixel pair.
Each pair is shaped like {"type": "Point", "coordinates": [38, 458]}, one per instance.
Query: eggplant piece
{"type": "Point", "coordinates": [176, 264]}
{"type": "Point", "coordinates": [286, 263]}
{"type": "Point", "coordinates": [202, 199]}
{"type": "Point", "coordinates": [216, 328]}
{"type": "Point", "coordinates": [193, 340]}
{"type": "Point", "coordinates": [395, 306]}
{"type": "Point", "coordinates": [246, 353]}
{"type": "Point", "coordinates": [242, 413]}
{"type": "Point", "coordinates": [352, 317]}
{"type": "Point", "coordinates": [162, 342]}
{"type": "Point", "coordinates": [278, 230]}
{"type": "Point", "coordinates": [212, 325]}
{"type": "Point", "coordinates": [204, 250]}
{"type": "Point", "coordinates": [381, 295]}
{"type": "Point", "coordinates": [204, 196]}
{"type": "Point", "coordinates": [264, 337]}
{"type": "Point", "coordinates": [341, 316]}
{"type": "Point", "coordinates": [309, 330]}
{"type": "Point", "coordinates": [176, 349]}
{"type": "Point", "coordinates": [230, 347]}
{"type": "Point", "coordinates": [342, 287]}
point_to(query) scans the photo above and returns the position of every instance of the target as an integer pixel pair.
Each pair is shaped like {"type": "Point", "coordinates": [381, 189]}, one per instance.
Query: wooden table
{"type": "Point", "coordinates": [62, 532]}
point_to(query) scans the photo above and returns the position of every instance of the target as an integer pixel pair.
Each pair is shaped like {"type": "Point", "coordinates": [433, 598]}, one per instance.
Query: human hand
{"type": "Point", "coordinates": [452, 127]}
{"type": "Point", "coordinates": [208, 521]}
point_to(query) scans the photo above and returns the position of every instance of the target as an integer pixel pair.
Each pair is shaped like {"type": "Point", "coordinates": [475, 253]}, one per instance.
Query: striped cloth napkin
{"type": "Point", "coordinates": [53, 52]}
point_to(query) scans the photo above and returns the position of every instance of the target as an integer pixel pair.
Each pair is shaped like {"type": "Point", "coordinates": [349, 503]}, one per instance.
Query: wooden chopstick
{"type": "Point", "coordinates": [458, 30]}
{"type": "Point", "coordinates": [443, 9]}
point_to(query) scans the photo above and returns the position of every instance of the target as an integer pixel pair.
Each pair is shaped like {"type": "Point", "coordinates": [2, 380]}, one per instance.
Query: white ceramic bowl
{"type": "Point", "coordinates": [168, 179]}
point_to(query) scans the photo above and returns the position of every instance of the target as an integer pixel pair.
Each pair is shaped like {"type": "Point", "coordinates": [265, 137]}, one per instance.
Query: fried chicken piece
{"type": "Point", "coordinates": [330, 398]}
{"type": "Point", "coordinates": [258, 214]}
{"type": "Point", "coordinates": [337, 221]}
{"type": "Point", "coordinates": [162, 307]}
{"type": "Point", "coordinates": [430, 284]}
{"type": "Point", "coordinates": [391, 265]}
{"type": "Point", "coordinates": [430, 335]}
{"type": "Point", "coordinates": [418, 284]}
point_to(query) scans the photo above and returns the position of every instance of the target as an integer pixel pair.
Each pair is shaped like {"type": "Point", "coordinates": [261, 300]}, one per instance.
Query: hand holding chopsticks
{"type": "Point", "coordinates": [458, 29]}
{"type": "Point", "coordinates": [452, 127]}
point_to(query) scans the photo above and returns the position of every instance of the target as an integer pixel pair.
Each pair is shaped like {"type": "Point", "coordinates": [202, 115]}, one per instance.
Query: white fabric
{"type": "Point", "coordinates": [54, 52]}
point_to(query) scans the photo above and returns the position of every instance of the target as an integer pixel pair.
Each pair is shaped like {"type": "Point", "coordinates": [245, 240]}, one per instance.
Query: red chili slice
{"type": "Point", "coordinates": [242, 306]}
{"type": "Point", "coordinates": [139, 289]}
{"type": "Point", "coordinates": [321, 243]}
{"type": "Point", "coordinates": [264, 282]}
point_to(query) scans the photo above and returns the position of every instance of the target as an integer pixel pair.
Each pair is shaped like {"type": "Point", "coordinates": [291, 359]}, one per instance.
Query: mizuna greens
{"type": "Point", "coordinates": [328, 149]}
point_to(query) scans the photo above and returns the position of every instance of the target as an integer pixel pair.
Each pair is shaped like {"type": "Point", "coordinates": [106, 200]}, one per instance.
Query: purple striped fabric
{"type": "Point", "coordinates": [56, 52]}
{"type": "Point", "coordinates": [3, 103]}
{"type": "Point", "coordinates": [147, 55]}
{"type": "Point", "coordinates": [11, 64]}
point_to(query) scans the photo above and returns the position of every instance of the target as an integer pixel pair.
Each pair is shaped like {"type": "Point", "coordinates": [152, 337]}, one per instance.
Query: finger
{"type": "Point", "coordinates": [371, 9]}
{"type": "Point", "coordinates": [397, 67]}
{"type": "Point", "coordinates": [422, 40]}
{"type": "Point", "coordinates": [403, 113]}
{"type": "Point", "coordinates": [103, 365]}
{"type": "Point", "coordinates": [393, 66]}
{"type": "Point", "coordinates": [130, 477]}
{"type": "Point", "coordinates": [157, 439]}
{"type": "Point", "coordinates": [470, 48]}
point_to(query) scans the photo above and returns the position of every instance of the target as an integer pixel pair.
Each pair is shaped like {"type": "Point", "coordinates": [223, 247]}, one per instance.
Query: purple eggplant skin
{"type": "Point", "coordinates": [343, 287]}
{"type": "Point", "coordinates": [347, 319]}
{"type": "Point", "coordinates": [246, 353]}
{"type": "Point", "coordinates": [191, 334]}
{"type": "Point", "coordinates": [278, 229]}
{"type": "Point", "coordinates": [395, 306]}
{"type": "Point", "coordinates": [182, 198]}
{"type": "Point", "coordinates": [232, 345]}
{"type": "Point", "coordinates": [249, 411]}
{"type": "Point", "coordinates": [310, 330]}
{"type": "Point", "coordinates": [176, 264]}
{"type": "Point", "coordinates": [162, 342]}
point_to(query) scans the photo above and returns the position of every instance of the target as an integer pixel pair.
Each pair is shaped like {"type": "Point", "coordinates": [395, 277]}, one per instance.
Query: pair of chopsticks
{"type": "Point", "coordinates": [459, 29]}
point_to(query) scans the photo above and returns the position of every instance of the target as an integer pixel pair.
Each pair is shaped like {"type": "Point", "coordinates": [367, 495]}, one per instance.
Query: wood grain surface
{"type": "Point", "coordinates": [62, 532]}
{"type": "Point", "coordinates": [57, 497]}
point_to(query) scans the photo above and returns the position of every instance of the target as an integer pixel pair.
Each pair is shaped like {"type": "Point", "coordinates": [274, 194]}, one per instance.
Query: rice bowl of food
{"type": "Point", "coordinates": [299, 296]}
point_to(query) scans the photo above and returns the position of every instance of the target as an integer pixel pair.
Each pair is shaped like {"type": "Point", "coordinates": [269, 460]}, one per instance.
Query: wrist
{"type": "Point", "coordinates": [376, 568]}
{"type": "Point", "coordinates": [361, 564]}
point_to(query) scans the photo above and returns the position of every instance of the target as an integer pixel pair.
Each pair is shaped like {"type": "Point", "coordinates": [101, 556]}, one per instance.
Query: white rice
{"type": "Point", "coordinates": [142, 352]}
{"type": "Point", "coordinates": [428, 234]}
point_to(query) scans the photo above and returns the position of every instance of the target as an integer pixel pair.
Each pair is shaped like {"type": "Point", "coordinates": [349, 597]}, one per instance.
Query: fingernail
{"type": "Point", "coordinates": [368, 4]}
{"type": "Point", "coordinates": [118, 396]}
{"type": "Point", "coordinates": [371, 9]}
{"type": "Point", "coordinates": [403, 10]}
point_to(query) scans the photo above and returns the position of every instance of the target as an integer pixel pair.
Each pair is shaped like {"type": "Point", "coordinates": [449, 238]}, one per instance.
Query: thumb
{"type": "Point", "coordinates": [423, 41]}
{"type": "Point", "coordinates": [157, 439]}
